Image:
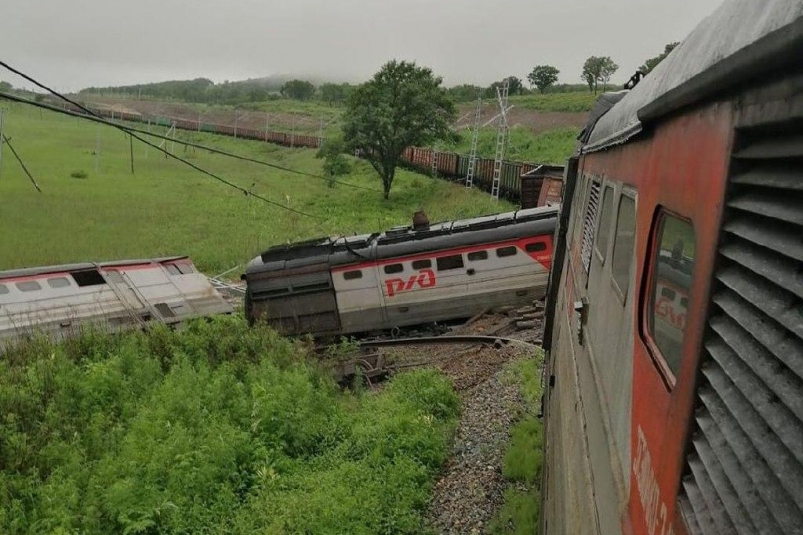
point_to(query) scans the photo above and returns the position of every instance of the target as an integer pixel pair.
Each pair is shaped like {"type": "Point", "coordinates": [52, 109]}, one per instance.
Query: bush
{"type": "Point", "coordinates": [217, 428]}
{"type": "Point", "coordinates": [79, 174]}
{"type": "Point", "coordinates": [334, 161]}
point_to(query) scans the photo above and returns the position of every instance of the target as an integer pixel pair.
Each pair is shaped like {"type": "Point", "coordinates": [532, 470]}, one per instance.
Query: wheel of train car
{"type": "Point", "coordinates": [395, 332]}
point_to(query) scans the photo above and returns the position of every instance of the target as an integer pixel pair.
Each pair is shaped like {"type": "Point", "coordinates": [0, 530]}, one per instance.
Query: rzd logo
{"type": "Point", "coordinates": [424, 279]}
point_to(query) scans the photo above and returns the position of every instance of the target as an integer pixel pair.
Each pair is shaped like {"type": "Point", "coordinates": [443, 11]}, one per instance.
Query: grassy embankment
{"type": "Point", "coordinates": [218, 428]}
{"type": "Point", "coordinates": [167, 208]}
{"type": "Point", "coordinates": [521, 513]}
{"type": "Point", "coordinates": [553, 146]}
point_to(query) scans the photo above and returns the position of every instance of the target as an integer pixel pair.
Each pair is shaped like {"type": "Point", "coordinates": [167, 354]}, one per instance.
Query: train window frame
{"type": "Point", "coordinates": [646, 315]}
{"type": "Point", "coordinates": [353, 274]}
{"type": "Point", "coordinates": [444, 262]}
{"type": "Point", "coordinates": [608, 219]}
{"type": "Point", "coordinates": [28, 286]}
{"type": "Point", "coordinates": [477, 256]}
{"type": "Point", "coordinates": [622, 292]}
{"type": "Point", "coordinates": [504, 252]}
{"type": "Point", "coordinates": [535, 247]}
{"type": "Point", "coordinates": [422, 263]}
{"type": "Point", "coordinates": [392, 269]}
{"type": "Point", "coordinates": [88, 277]}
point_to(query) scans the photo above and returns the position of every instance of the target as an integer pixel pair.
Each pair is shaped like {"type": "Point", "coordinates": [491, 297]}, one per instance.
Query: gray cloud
{"type": "Point", "coordinates": [77, 43]}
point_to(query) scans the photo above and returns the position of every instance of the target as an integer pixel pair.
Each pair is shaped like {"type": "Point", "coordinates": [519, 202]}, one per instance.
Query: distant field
{"type": "Point", "coordinates": [551, 146]}
{"type": "Point", "coordinates": [167, 208]}
{"type": "Point", "coordinates": [560, 102]}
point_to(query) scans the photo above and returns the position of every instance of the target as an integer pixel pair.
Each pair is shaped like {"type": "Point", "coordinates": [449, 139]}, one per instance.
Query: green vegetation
{"type": "Point", "coordinates": [167, 208]}
{"type": "Point", "coordinates": [598, 70]}
{"type": "Point", "coordinates": [218, 428]}
{"type": "Point", "coordinates": [543, 76]}
{"type": "Point", "coordinates": [520, 514]}
{"type": "Point", "coordinates": [402, 106]}
{"type": "Point", "coordinates": [552, 146]}
{"type": "Point", "coordinates": [651, 63]}
{"type": "Point", "coordinates": [557, 102]}
{"type": "Point", "coordinates": [335, 163]}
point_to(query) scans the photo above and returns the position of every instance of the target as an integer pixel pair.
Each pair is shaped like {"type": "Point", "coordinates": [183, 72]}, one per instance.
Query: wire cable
{"type": "Point", "coordinates": [160, 149]}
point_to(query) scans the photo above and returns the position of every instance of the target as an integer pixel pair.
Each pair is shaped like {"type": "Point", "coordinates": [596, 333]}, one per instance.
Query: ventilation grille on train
{"type": "Point", "coordinates": [744, 470]}
{"type": "Point", "coordinates": [589, 222]}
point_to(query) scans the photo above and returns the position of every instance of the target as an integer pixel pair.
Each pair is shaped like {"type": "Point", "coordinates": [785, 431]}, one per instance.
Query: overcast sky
{"type": "Point", "coordinates": [71, 44]}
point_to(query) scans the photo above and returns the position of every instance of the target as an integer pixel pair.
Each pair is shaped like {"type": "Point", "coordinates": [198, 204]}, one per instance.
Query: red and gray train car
{"type": "Point", "coordinates": [405, 276]}
{"type": "Point", "coordinates": [674, 380]}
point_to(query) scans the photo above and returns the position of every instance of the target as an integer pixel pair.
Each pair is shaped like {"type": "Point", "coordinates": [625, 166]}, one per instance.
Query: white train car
{"type": "Point", "coordinates": [404, 276]}
{"type": "Point", "coordinates": [58, 300]}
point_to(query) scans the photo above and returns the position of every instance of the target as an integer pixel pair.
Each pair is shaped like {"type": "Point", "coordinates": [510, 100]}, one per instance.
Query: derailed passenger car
{"type": "Point", "coordinates": [404, 276]}
{"type": "Point", "coordinates": [58, 300]}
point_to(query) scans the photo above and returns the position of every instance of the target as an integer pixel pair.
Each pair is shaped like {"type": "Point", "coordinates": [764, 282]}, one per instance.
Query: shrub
{"type": "Point", "coordinates": [79, 174]}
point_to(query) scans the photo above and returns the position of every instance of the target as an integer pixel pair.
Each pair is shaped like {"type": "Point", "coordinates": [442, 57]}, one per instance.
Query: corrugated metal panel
{"type": "Point", "coordinates": [744, 469]}
{"type": "Point", "coordinates": [589, 223]}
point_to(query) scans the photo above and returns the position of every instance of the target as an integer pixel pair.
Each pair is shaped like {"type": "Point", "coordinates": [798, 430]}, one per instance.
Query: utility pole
{"type": "Point", "coordinates": [320, 133]}
{"type": "Point", "coordinates": [435, 162]}
{"type": "Point", "coordinates": [131, 148]}
{"type": "Point", "coordinates": [97, 149]}
{"type": "Point", "coordinates": [501, 138]}
{"type": "Point", "coordinates": [472, 159]}
{"type": "Point", "coordinates": [293, 132]}
{"type": "Point", "coordinates": [267, 125]}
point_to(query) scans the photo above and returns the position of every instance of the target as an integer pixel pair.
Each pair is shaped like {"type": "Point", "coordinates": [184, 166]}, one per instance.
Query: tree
{"type": "Point", "coordinates": [298, 89]}
{"type": "Point", "coordinates": [334, 161]}
{"type": "Point", "coordinates": [543, 76]}
{"type": "Point", "coordinates": [651, 63]}
{"type": "Point", "coordinates": [598, 69]}
{"type": "Point", "coordinates": [5, 87]}
{"type": "Point", "coordinates": [402, 105]}
{"type": "Point", "coordinates": [514, 87]}
{"type": "Point", "coordinates": [334, 93]}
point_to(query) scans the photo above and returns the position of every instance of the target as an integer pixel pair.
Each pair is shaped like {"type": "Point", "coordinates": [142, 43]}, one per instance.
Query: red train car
{"type": "Point", "coordinates": [674, 379]}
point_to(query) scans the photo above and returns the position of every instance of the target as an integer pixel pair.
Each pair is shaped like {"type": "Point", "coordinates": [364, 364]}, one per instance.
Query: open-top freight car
{"type": "Point", "coordinates": [59, 300]}
{"type": "Point", "coordinates": [674, 391]}
{"type": "Point", "coordinates": [405, 276]}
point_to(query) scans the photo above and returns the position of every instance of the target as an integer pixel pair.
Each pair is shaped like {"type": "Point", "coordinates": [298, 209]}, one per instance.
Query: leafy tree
{"type": "Point", "coordinates": [334, 161]}
{"type": "Point", "coordinates": [596, 70]}
{"type": "Point", "coordinates": [334, 93]}
{"type": "Point", "coordinates": [651, 63]}
{"type": "Point", "coordinates": [465, 92]}
{"type": "Point", "coordinates": [5, 87]}
{"type": "Point", "coordinates": [543, 76]}
{"type": "Point", "coordinates": [402, 105]}
{"type": "Point", "coordinates": [298, 89]}
{"type": "Point", "coordinates": [515, 87]}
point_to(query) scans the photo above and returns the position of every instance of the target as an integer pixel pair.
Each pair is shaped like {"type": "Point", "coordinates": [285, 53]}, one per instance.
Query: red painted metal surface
{"type": "Point", "coordinates": [682, 168]}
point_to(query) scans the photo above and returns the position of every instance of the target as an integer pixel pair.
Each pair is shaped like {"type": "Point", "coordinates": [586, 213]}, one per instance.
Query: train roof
{"type": "Point", "coordinates": [741, 40]}
{"type": "Point", "coordinates": [61, 268]}
{"type": "Point", "coordinates": [351, 247]}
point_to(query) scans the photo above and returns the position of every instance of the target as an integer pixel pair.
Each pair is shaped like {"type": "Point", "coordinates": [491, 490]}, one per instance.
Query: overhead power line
{"type": "Point", "coordinates": [154, 146]}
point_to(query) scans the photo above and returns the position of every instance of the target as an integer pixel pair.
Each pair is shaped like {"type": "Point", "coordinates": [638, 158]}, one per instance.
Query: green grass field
{"type": "Point", "coordinates": [552, 146]}
{"type": "Point", "coordinates": [560, 102]}
{"type": "Point", "coordinates": [166, 208]}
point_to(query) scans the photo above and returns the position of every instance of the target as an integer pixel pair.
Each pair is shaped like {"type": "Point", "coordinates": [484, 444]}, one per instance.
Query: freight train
{"type": "Point", "coordinates": [674, 371]}
{"type": "Point", "coordinates": [447, 165]}
{"type": "Point", "coordinates": [60, 300]}
{"type": "Point", "coordinates": [405, 276]}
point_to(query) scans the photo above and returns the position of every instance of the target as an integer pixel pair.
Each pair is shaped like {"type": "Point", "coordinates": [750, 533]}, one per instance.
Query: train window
{"type": "Point", "coordinates": [535, 247]}
{"type": "Point", "coordinates": [624, 241]}
{"type": "Point", "coordinates": [4, 289]}
{"type": "Point", "coordinates": [478, 255]}
{"type": "Point", "coordinates": [506, 251]}
{"type": "Point", "coordinates": [28, 286]}
{"type": "Point", "coordinates": [90, 277]}
{"type": "Point", "coordinates": [450, 262]}
{"type": "Point", "coordinates": [604, 230]}
{"type": "Point", "coordinates": [172, 269]}
{"type": "Point", "coordinates": [351, 275]}
{"type": "Point", "coordinates": [393, 268]}
{"type": "Point", "coordinates": [671, 278]}
{"type": "Point", "coordinates": [422, 264]}
{"type": "Point", "coordinates": [58, 282]}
